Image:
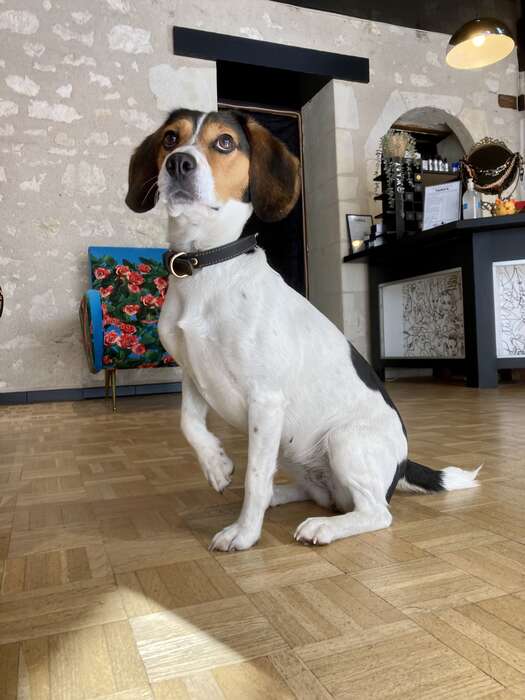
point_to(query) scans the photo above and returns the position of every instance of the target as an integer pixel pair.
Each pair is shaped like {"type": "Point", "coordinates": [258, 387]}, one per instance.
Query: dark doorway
{"type": "Point", "coordinates": [284, 241]}
{"type": "Point", "coordinates": [274, 88]}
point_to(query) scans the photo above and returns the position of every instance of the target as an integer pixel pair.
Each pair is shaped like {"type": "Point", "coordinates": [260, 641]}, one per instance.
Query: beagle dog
{"type": "Point", "coordinates": [259, 353]}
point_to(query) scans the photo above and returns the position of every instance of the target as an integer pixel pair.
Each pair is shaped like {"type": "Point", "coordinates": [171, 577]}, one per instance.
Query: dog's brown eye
{"type": "Point", "coordinates": [225, 143]}
{"type": "Point", "coordinates": [170, 140]}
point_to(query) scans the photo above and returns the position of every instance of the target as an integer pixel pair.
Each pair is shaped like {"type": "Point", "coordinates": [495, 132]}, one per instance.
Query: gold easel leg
{"type": "Point", "coordinates": [114, 388]}
{"type": "Point", "coordinates": [106, 382]}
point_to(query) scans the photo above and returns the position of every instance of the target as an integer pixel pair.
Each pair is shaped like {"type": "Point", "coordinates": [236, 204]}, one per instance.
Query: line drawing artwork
{"type": "Point", "coordinates": [433, 316]}
{"type": "Point", "coordinates": [509, 308]}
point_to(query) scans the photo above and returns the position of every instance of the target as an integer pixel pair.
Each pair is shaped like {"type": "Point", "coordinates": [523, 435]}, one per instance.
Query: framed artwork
{"type": "Point", "coordinates": [358, 227]}
{"type": "Point", "coordinates": [422, 317]}
{"type": "Point", "coordinates": [509, 307]}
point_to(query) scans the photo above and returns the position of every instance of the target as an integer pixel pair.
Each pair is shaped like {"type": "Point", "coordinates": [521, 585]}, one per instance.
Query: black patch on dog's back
{"type": "Point", "coordinates": [367, 375]}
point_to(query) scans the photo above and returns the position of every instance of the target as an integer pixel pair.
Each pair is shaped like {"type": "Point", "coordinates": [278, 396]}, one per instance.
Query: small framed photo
{"type": "Point", "coordinates": [358, 227]}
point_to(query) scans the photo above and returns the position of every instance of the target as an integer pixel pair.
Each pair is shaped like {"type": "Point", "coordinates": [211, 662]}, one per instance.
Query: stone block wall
{"type": "Point", "coordinates": [83, 82]}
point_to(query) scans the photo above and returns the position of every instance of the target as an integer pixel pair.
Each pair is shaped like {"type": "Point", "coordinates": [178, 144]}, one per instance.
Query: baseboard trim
{"type": "Point", "coordinates": [96, 392]}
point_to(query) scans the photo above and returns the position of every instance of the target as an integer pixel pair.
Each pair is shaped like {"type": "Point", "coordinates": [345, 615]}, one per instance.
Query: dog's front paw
{"type": "Point", "coordinates": [218, 469]}
{"type": "Point", "coordinates": [315, 531]}
{"type": "Point", "coordinates": [232, 538]}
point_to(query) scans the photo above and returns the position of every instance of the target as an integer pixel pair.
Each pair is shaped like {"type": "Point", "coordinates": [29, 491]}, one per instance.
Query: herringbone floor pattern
{"type": "Point", "coordinates": [108, 590]}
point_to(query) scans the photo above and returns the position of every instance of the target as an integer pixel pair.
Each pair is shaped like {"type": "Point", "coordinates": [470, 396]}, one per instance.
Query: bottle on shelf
{"type": "Point", "coordinates": [471, 202]}
{"type": "Point", "coordinates": [445, 165]}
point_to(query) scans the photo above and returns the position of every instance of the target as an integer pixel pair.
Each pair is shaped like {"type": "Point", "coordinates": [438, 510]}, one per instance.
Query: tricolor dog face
{"type": "Point", "coordinates": [208, 162]}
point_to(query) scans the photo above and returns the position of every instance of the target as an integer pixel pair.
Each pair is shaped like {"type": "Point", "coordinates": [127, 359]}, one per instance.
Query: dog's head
{"type": "Point", "coordinates": [207, 162]}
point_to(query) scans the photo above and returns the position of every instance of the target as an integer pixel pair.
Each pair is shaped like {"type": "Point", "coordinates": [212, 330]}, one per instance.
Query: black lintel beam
{"type": "Point", "coordinates": [194, 43]}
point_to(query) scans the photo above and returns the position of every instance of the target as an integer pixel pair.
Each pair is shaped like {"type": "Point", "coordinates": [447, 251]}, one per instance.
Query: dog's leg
{"type": "Point", "coordinates": [291, 493]}
{"type": "Point", "coordinates": [360, 469]}
{"type": "Point", "coordinates": [302, 488]}
{"type": "Point", "coordinates": [265, 420]}
{"type": "Point", "coordinates": [288, 493]}
{"type": "Point", "coordinates": [216, 465]}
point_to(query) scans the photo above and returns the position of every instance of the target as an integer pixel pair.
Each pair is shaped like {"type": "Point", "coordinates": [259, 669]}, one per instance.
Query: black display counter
{"type": "Point", "coordinates": [473, 246]}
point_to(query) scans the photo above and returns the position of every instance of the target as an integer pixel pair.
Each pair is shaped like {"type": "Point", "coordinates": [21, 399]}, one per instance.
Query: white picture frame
{"type": "Point", "coordinates": [509, 307]}
{"type": "Point", "coordinates": [422, 317]}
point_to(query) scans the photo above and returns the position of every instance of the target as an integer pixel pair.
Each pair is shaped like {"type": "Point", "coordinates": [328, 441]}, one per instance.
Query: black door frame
{"type": "Point", "coordinates": [232, 104]}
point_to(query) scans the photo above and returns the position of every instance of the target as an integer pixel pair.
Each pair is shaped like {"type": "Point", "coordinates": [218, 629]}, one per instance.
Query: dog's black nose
{"type": "Point", "coordinates": [180, 165]}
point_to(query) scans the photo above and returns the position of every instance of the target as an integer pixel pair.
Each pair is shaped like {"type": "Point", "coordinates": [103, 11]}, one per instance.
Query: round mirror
{"type": "Point", "coordinates": [492, 165]}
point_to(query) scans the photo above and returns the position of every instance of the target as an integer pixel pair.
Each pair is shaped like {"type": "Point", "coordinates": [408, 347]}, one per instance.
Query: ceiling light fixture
{"type": "Point", "coordinates": [478, 43]}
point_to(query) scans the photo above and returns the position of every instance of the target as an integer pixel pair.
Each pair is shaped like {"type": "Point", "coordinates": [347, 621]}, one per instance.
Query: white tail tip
{"type": "Point", "coordinates": [455, 479]}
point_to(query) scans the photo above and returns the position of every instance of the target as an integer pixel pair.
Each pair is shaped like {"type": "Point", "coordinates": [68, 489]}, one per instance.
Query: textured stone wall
{"type": "Point", "coordinates": [322, 204]}
{"type": "Point", "coordinates": [82, 82]}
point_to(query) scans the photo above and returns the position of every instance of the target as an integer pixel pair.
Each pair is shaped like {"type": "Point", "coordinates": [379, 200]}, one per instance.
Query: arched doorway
{"type": "Point", "coordinates": [436, 133]}
{"type": "Point", "coordinates": [438, 113]}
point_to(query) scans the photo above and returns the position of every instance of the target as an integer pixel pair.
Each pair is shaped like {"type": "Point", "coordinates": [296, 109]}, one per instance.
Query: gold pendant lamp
{"type": "Point", "coordinates": [478, 43]}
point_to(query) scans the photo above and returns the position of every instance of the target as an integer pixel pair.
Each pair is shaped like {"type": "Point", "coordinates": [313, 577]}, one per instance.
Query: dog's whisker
{"type": "Point", "coordinates": [147, 193]}
{"type": "Point", "coordinates": [150, 179]}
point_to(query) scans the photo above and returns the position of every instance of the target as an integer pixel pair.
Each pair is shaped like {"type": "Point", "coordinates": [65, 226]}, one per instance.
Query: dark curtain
{"type": "Point", "coordinates": [283, 241]}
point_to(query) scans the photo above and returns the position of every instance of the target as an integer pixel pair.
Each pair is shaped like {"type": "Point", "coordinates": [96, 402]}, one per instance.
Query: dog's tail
{"type": "Point", "coordinates": [423, 479]}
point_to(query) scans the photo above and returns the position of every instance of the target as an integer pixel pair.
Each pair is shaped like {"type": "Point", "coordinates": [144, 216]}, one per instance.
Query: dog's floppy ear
{"type": "Point", "coordinates": [143, 173]}
{"type": "Point", "coordinates": [275, 181]}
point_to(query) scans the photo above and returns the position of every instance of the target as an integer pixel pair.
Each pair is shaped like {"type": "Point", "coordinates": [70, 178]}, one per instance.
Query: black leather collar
{"type": "Point", "coordinates": [182, 264]}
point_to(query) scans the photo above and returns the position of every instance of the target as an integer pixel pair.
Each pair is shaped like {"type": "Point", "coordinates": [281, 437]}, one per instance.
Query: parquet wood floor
{"type": "Point", "coordinates": [108, 590]}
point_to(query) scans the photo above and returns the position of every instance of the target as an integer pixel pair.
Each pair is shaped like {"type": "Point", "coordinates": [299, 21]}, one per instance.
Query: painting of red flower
{"type": "Point", "coordinates": [110, 337]}
{"type": "Point", "coordinates": [148, 300]}
{"type": "Point", "coordinates": [131, 309]}
{"type": "Point", "coordinates": [101, 273]}
{"type": "Point", "coordinates": [127, 327]}
{"type": "Point", "coordinates": [135, 278]}
{"type": "Point", "coordinates": [126, 340]}
{"type": "Point", "coordinates": [160, 282]}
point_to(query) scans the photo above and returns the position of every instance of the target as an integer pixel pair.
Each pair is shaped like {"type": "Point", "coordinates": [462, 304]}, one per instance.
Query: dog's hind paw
{"type": "Point", "coordinates": [233, 538]}
{"type": "Point", "coordinates": [315, 531]}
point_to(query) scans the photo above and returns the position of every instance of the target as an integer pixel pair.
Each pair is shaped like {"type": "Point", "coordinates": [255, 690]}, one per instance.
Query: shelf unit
{"type": "Point", "coordinates": [406, 214]}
